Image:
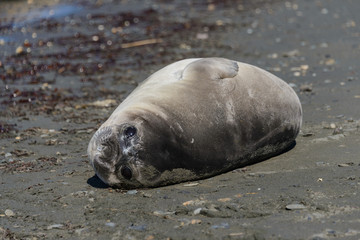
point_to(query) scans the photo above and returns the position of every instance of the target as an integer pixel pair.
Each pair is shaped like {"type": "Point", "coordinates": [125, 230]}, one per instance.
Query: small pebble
{"type": "Point", "coordinates": [308, 134]}
{"type": "Point", "coordinates": [146, 195]}
{"type": "Point", "coordinates": [8, 155]}
{"type": "Point", "coordinates": [55, 226]}
{"type": "Point", "coordinates": [138, 227]}
{"type": "Point", "coordinates": [9, 213]}
{"type": "Point", "coordinates": [221, 225]}
{"type": "Point", "coordinates": [151, 237]}
{"type": "Point", "coordinates": [322, 164]}
{"type": "Point", "coordinates": [19, 50]}
{"type": "Point", "coordinates": [195, 221]}
{"type": "Point", "coordinates": [190, 184]}
{"type": "Point", "coordinates": [162, 213]}
{"type": "Point", "coordinates": [306, 88]}
{"type": "Point", "coordinates": [110, 224]}
{"type": "Point", "coordinates": [194, 203]}
{"type": "Point", "coordinates": [295, 206]}
{"type": "Point", "coordinates": [224, 199]}
{"type": "Point", "coordinates": [197, 211]}
{"type": "Point", "coordinates": [344, 165]}
{"type": "Point", "coordinates": [80, 230]}
{"type": "Point", "coordinates": [338, 131]}
{"type": "Point", "coordinates": [237, 235]}
{"type": "Point", "coordinates": [293, 85]}
{"type": "Point", "coordinates": [131, 192]}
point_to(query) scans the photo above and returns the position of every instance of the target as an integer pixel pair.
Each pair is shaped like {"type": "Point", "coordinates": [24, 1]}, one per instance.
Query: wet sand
{"type": "Point", "coordinates": [64, 68]}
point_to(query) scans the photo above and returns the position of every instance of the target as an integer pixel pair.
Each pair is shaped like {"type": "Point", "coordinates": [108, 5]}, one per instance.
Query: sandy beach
{"type": "Point", "coordinates": [66, 65]}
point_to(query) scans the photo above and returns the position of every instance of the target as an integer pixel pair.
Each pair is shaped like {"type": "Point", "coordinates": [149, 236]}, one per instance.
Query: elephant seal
{"type": "Point", "coordinates": [194, 119]}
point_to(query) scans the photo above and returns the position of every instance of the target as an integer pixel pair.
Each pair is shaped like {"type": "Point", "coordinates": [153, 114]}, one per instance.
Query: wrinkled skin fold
{"type": "Point", "coordinates": [194, 119]}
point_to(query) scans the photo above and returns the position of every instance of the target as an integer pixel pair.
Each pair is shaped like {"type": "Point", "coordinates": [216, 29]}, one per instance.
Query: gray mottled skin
{"type": "Point", "coordinates": [195, 118]}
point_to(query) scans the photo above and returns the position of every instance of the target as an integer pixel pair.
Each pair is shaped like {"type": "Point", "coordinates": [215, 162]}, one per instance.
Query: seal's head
{"type": "Point", "coordinates": [115, 152]}
{"type": "Point", "coordinates": [134, 154]}
{"type": "Point", "coordinates": [109, 151]}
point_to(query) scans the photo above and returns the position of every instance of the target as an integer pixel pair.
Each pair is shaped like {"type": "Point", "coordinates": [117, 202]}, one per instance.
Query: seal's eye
{"type": "Point", "coordinates": [130, 131]}
{"type": "Point", "coordinates": [126, 172]}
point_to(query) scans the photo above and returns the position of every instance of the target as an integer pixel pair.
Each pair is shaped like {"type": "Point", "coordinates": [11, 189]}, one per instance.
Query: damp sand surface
{"type": "Point", "coordinates": [65, 66]}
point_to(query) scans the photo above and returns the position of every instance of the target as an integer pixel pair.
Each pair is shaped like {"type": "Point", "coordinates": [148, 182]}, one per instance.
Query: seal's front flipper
{"type": "Point", "coordinates": [210, 68]}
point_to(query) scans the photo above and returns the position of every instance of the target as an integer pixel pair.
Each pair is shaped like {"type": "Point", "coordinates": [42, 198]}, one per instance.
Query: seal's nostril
{"type": "Point", "coordinates": [107, 145]}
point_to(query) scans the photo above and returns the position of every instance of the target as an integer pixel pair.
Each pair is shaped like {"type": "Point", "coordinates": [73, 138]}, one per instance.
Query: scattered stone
{"type": "Point", "coordinates": [187, 222]}
{"type": "Point", "coordinates": [197, 211]}
{"type": "Point", "coordinates": [160, 213]}
{"type": "Point", "coordinates": [110, 224]}
{"type": "Point", "coordinates": [306, 88]}
{"type": "Point", "coordinates": [322, 164]}
{"type": "Point", "coordinates": [138, 227]}
{"type": "Point", "coordinates": [82, 193]}
{"type": "Point", "coordinates": [21, 152]}
{"type": "Point", "coordinates": [150, 237]}
{"type": "Point", "coordinates": [104, 103]}
{"type": "Point", "coordinates": [8, 155]}
{"type": "Point", "coordinates": [146, 195]}
{"type": "Point", "coordinates": [345, 164]}
{"type": "Point", "coordinates": [224, 199]}
{"type": "Point", "coordinates": [193, 203]}
{"type": "Point", "coordinates": [202, 36]}
{"type": "Point", "coordinates": [308, 134]}
{"type": "Point", "coordinates": [55, 226]}
{"type": "Point", "coordinates": [9, 213]}
{"type": "Point", "coordinates": [131, 192]}
{"type": "Point", "coordinates": [295, 206]}
{"type": "Point", "coordinates": [80, 230]}
{"type": "Point", "coordinates": [237, 235]}
{"type": "Point", "coordinates": [330, 62]}
{"type": "Point", "coordinates": [195, 221]}
{"type": "Point", "coordinates": [293, 85]}
{"type": "Point", "coordinates": [51, 142]}
{"type": "Point", "coordinates": [221, 225]}
{"type": "Point", "coordinates": [336, 137]}
{"type": "Point", "coordinates": [191, 184]}
{"type": "Point", "coordinates": [351, 178]}
{"type": "Point", "coordinates": [338, 130]}
{"type": "Point", "coordinates": [19, 50]}
{"type": "Point", "coordinates": [213, 211]}
{"type": "Point", "coordinates": [292, 53]}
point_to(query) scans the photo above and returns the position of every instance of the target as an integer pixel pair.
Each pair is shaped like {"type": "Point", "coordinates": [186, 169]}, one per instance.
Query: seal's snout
{"type": "Point", "coordinates": [104, 150]}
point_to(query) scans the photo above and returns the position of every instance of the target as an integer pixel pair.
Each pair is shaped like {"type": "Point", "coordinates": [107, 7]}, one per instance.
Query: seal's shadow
{"type": "Point", "coordinates": [96, 182]}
